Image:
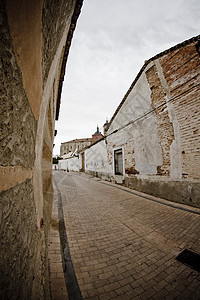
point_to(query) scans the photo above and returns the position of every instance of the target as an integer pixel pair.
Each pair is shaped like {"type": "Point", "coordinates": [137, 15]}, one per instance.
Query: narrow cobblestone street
{"type": "Point", "coordinates": [122, 243]}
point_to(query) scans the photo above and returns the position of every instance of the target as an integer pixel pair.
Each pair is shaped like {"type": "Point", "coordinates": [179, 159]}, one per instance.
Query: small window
{"type": "Point", "coordinates": [118, 158]}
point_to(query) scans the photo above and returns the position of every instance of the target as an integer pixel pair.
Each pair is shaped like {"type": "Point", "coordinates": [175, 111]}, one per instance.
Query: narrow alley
{"type": "Point", "coordinates": [118, 243]}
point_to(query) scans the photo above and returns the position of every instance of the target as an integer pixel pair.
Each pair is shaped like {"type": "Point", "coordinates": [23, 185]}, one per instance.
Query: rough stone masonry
{"type": "Point", "coordinates": [35, 37]}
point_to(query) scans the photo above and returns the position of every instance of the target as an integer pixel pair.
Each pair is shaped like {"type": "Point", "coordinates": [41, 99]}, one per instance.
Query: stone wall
{"type": "Point", "coordinates": [31, 70]}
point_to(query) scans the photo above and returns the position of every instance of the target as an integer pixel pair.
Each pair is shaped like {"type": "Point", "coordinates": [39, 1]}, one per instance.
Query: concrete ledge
{"type": "Point", "coordinates": [185, 192]}
{"type": "Point", "coordinates": [104, 176]}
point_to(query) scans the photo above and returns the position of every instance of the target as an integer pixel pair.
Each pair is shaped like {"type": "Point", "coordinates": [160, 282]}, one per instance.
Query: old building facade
{"type": "Point", "coordinates": [73, 145]}
{"type": "Point", "coordinates": [152, 141]}
{"type": "Point", "coordinates": [79, 144]}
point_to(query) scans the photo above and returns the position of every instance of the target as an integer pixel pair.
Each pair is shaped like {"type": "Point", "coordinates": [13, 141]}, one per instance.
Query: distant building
{"type": "Point", "coordinates": [77, 145]}
{"type": "Point", "coordinates": [73, 145]}
{"type": "Point", "coordinates": [97, 135]}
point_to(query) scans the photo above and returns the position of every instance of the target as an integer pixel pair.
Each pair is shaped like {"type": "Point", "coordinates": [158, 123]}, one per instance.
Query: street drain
{"type": "Point", "coordinates": [190, 258]}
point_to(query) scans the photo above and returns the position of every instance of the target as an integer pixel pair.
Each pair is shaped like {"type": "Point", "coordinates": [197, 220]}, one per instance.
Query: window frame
{"type": "Point", "coordinates": [123, 162]}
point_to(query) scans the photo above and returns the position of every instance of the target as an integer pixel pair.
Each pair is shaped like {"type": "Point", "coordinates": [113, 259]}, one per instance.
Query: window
{"type": "Point", "coordinates": [118, 160]}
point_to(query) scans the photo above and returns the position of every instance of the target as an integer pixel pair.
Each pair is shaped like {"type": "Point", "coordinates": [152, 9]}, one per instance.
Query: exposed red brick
{"type": "Point", "coordinates": [182, 75]}
{"type": "Point", "coordinates": [165, 127]}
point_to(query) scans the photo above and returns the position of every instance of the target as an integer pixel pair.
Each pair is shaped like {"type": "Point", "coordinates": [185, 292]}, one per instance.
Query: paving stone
{"type": "Point", "coordinates": [107, 296]}
{"type": "Point", "coordinates": [123, 246]}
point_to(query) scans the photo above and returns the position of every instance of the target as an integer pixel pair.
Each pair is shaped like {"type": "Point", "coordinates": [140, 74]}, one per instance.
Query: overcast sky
{"type": "Point", "coordinates": [112, 40]}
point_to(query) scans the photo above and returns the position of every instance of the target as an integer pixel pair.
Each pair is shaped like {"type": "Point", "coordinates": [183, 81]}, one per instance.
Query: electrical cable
{"type": "Point", "coordinates": [152, 110]}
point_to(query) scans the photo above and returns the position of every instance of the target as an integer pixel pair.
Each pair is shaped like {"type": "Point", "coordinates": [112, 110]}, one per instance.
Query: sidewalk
{"type": "Point", "coordinates": [58, 287]}
{"type": "Point", "coordinates": [123, 244]}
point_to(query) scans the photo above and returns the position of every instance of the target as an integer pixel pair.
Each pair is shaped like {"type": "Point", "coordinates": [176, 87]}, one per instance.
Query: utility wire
{"type": "Point", "coordinates": [152, 110]}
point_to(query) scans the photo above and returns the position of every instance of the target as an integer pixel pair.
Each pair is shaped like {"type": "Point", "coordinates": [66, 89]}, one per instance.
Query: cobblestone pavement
{"type": "Point", "coordinates": [122, 245]}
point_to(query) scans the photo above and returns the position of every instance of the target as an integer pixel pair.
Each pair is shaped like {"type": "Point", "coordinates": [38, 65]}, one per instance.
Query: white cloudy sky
{"type": "Point", "coordinates": [112, 40]}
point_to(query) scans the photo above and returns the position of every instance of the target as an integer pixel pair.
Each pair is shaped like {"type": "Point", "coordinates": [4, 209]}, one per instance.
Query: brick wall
{"type": "Point", "coordinates": [164, 125]}
{"type": "Point", "coordinates": [182, 73]}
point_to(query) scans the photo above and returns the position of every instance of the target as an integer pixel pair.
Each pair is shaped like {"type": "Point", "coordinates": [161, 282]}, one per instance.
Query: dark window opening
{"type": "Point", "coordinates": [118, 162]}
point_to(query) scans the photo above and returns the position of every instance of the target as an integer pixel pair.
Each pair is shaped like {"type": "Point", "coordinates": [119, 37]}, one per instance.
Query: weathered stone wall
{"type": "Point", "coordinates": [19, 238]}
{"type": "Point", "coordinates": [158, 126]}
{"type": "Point", "coordinates": [35, 38]}
{"type": "Point", "coordinates": [54, 19]}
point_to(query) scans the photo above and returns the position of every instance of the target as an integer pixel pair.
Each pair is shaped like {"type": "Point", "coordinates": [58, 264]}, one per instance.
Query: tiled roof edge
{"type": "Point", "coordinates": [78, 140]}
{"type": "Point", "coordinates": [96, 142]}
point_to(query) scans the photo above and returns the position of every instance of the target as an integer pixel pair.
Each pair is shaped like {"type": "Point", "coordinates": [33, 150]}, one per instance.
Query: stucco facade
{"type": "Point", "coordinates": [155, 131]}
{"type": "Point", "coordinates": [35, 41]}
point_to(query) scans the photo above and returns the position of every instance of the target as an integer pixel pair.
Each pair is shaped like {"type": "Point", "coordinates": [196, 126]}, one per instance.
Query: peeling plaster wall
{"type": "Point", "coordinates": [140, 140]}
{"type": "Point", "coordinates": [157, 126]}
{"type": "Point", "coordinates": [30, 70]}
{"type": "Point", "coordinates": [161, 142]}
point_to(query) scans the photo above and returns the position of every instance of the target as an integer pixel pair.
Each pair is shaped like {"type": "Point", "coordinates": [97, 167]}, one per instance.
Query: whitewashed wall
{"type": "Point", "coordinates": [70, 164]}
{"type": "Point", "coordinates": [139, 140]}
{"type": "Point", "coordinates": [96, 159]}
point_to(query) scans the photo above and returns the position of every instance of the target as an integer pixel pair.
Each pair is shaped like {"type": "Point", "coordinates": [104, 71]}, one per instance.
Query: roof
{"type": "Point", "coordinates": [78, 141]}
{"type": "Point", "coordinates": [178, 46]}
{"type": "Point", "coordinates": [65, 156]}
{"type": "Point", "coordinates": [97, 132]}
{"type": "Point", "coordinates": [95, 142]}
{"type": "Point", "coordinates": [75, 16]}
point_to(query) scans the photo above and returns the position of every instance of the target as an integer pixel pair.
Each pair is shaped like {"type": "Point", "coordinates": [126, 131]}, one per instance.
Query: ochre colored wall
{"type": "Point", "coordinates": [25, 23]}
{"type": "Point", "coordinates": [35, 38]}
